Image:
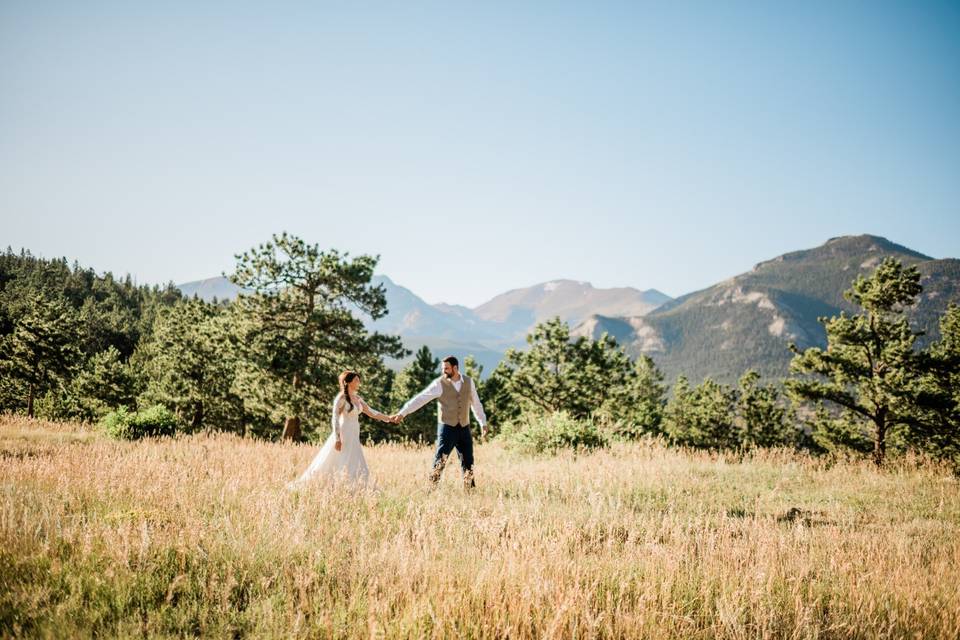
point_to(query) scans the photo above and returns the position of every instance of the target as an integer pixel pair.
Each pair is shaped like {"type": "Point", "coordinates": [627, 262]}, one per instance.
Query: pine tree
{"type": "Point", "coordinates": [869, 366]}
{"type": "Point", "coordinates": [299, 332]}
{"type": "Point", "coordinates": [190, 366]}
{"type": "Point", "coordinates": [936, 393]}
{"type": "Point", "coordinates": [498, 403]}
{"type": "Point", "coordinates": [703, 416]}
{"type": "Point", "coordinates": [105, 384]}
{"type": "Point", "coordinates": [558, 373]}
{"type": "Point", "coordinates": [110, 313]}
{"type": "Point", "coordinates": [832, 429]}
{"type": "Point", "coordinates": [678, 414]}
{"type": "Point", "coordinates": [43, 348]}
{"type": "Point", "coordinates": [761, 416]}
{"type": "Point", "coordinates": [635, 407]}
{"type": "Point", "coordinates": [474, 370]}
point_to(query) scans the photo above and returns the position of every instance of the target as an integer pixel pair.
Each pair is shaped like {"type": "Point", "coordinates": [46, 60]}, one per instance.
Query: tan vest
{"type": "Point", "coordinates": [454, 406]}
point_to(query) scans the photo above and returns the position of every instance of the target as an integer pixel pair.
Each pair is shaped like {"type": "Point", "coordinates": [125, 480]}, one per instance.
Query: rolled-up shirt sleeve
{"type": "Point", "coordinates": [476, 406]}
{"type": "Point", "coordinates": [432, 392]}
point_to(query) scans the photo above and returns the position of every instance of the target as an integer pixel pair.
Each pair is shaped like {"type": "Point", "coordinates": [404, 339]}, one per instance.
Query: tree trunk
{"type": "Point", "coordinates": [880, 443]}
{"type": "Point", "coordinates": [291, 428]}
{"type": "Point", "coordinates": [30, 401]}
{"type": "Point", "coordinates": [197, 419]}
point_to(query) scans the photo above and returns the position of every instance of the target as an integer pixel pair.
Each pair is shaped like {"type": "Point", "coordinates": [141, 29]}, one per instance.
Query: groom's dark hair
{"type": "Point", "coordinates": [452, 361]}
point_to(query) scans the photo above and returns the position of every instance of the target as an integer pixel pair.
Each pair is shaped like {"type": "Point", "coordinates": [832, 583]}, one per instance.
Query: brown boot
{"type": "Point", "coordinates": [438, 469]}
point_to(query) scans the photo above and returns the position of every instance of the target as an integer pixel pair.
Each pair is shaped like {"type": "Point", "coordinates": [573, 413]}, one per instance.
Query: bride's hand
{"type": "Point", "coordinates": [338, 446]}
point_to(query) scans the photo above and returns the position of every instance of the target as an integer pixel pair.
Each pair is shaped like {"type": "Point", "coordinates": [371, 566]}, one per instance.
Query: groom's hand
{"type": "Point", "coordinates": [484, 431]}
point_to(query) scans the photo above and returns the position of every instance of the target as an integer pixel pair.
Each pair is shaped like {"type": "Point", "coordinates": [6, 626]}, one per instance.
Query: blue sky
{"type": "Point", "coordinates": [478, 147]}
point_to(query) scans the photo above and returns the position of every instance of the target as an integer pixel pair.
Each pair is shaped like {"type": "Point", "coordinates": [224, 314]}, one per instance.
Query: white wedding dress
{"type": "Point", "coordinates": [348, 463]}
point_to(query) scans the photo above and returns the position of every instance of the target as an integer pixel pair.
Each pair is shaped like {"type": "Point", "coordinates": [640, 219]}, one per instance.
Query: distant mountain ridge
{"type": "Point", "coordinates": [520, 310]}
{"type": "Point", "coordinates": [487, 331]}
{"type": "Point", "coordinates": [747, 321]}
{"type": "Point", "coordinates": [210, 289]}
{"type": "Point", "coordinates": [740, 323]}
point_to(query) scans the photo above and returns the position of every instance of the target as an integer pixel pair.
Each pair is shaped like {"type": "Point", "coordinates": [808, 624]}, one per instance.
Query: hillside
{"type": "Point", "coordinates": [747, 321]}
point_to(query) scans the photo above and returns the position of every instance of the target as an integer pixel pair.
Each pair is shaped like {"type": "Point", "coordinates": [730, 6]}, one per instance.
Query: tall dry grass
{"type": "Point", "coordinates": [197, 536]}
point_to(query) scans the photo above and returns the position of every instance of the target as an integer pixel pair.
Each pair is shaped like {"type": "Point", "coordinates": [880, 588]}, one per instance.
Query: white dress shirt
{"type": "Point", "coordinates": [435, 390]}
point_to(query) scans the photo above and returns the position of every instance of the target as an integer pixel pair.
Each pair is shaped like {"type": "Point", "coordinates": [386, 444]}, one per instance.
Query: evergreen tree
{"type": "Point", "coordinates": [542, 377]}
{"type": "Point", "coordinates": [190, 366]}
{"type": "Point", "coordinates": [299, 332]}
{"type": "Point", "coordinates": [869, 366]}
{"type": "Point", "coordinates": [109, 313]}
{"type": "Point", "coordinates": [559, 374]}
{"type": "Point", "coordinates": [474, 370]}
{"type": "Point", "coordinates": [415, 377]}
{"type": "Point", "coordinates": [498, 403]}
{"type": "Point", "coordinates": [761, 416]}
{"type": "Point", "coordinates": [43, 348]}
{"type": "Point", "coordinates": [635, 407]}
{"type": "Point", "coordinates": [108, 317]}
{"type": "Point", "coordinates": [833, 429]}
{"type": "Point", "coordinates": [105, 384]}
{"type": "Point", "coordinates": [702, 417]}
{"type": "Point", "coordinates": [936, 393]}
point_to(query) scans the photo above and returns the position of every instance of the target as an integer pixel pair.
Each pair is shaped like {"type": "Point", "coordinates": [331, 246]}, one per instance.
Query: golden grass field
{"type": "Point", "coordinates": [197, 536]}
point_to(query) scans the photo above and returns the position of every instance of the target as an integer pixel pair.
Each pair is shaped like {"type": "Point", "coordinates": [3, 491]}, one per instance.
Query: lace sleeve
{"type": "Point", "coordinates": [335, 417]}
{"type": "Point", "coordinates": [373, 413]}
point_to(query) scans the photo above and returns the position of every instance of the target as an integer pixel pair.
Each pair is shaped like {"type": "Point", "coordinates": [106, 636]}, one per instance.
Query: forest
{"type": "Point", "coordinates": [143, 360]}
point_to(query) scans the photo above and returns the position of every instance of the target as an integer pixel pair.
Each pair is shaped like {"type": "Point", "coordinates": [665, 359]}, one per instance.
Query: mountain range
{"type": "Point", "coordinates": [487, 331]}
{"type": "Point", "coordinates": [749, 320]}
{"type": "Point", "coordinates": [740, 323]}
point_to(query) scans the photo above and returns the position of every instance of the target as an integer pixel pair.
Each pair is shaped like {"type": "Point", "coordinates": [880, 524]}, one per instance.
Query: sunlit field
{"type": "Point", "coordinates": [198, 536]}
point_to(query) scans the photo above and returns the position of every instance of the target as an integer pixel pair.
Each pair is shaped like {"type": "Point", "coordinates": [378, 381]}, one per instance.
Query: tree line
{"type": "Point", "coordinates": [872, 387]}
{"type": "Point", "coordinates": [81, 346]}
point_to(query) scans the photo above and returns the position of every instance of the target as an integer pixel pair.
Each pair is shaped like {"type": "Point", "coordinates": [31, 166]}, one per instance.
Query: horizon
{"type": "Point", "coordinates": [665, 147]}
{"type": "Point", "coordinates": [402, 285]}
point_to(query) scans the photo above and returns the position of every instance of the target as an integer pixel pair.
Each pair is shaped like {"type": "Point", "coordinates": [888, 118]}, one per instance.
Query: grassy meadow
{"type": "Point", "coordinates": [197, 536]}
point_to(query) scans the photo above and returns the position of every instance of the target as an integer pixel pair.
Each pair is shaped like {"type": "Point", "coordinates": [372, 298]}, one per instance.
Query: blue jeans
{"type": "Point", "coordinates": [448, 439]}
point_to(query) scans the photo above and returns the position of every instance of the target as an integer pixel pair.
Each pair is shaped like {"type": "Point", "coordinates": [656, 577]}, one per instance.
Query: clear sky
{"type": "Point", "coordinates": [478, 146]}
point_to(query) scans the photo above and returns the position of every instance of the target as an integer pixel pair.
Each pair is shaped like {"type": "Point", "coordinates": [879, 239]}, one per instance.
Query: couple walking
{"type": "Point", "coordinates": [342, 454]}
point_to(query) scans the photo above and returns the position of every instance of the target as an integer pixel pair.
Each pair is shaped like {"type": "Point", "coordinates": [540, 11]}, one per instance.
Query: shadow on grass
{"type": "Point", "coordinates": [792, 515]}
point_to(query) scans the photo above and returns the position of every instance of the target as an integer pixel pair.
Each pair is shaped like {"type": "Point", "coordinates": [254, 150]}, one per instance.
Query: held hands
{"type": "Point", "coordinates": [396, 419]}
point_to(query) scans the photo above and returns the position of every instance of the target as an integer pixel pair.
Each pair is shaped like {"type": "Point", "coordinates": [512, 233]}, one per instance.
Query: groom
{"type": "Point", "coordinates": [457, 394]}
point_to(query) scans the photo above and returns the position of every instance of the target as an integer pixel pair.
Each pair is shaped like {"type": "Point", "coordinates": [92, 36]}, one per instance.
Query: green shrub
{"type": "Point", "coordinates": [133, 425]}
{"type": "Point", "coordinates": [550, 433]}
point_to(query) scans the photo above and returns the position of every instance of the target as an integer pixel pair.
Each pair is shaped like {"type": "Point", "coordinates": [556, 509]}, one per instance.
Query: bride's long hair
{"type": "Point", "coordinates": [345, 379]}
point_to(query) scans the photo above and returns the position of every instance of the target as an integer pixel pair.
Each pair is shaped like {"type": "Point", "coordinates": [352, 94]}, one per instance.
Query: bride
{"type": "Point", "coordinates": [341, 455]}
